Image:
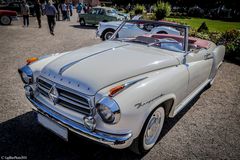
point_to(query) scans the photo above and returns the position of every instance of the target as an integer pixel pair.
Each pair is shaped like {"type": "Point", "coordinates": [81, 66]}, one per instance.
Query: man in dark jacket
{"type": "Point", "coordinates": [56, 5]}
{"type": "Point", "coordinates": [38, 10]}
{"type": "Point", "coordinates": [50, 12]}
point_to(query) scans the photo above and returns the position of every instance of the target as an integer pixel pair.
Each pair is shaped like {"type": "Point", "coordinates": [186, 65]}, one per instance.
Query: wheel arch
{"type": "Point", "coordinates": [106, 30]}
{"type": "Point", "coordinates": [165, 101]}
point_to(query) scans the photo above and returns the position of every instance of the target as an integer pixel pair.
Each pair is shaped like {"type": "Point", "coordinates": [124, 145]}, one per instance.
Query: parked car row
{"type": "Point", "coordinates": [106, 29]}
{"type": "Point", "coordinates": [109, 19]}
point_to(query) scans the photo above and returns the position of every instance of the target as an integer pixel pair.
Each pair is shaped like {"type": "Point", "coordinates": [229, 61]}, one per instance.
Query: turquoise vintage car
{"type": "Point", "coordinates": [100, 14]}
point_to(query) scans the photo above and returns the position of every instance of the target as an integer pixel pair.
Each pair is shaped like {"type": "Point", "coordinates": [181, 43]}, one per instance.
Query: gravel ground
{"type": "Point", "coordinates": [208, 128]}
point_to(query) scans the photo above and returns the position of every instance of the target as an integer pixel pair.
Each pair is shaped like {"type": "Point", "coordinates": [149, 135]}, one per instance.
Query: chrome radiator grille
{"type": "Point", "coordinates": [66, 98]}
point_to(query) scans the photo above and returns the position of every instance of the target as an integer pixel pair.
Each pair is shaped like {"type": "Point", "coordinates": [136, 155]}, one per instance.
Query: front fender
{"type": "Point", "coordinates": [37, 66]}
{"type": "Point", "coordinates": [137, 101]}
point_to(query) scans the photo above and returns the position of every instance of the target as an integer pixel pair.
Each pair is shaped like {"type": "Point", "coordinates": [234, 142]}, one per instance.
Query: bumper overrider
{"type": "Point", "coordinates": [117, 141]}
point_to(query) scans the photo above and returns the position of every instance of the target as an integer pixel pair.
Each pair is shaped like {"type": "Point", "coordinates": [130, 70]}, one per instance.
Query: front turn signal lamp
{"type": "Point", "coordinates": [116, 90]}
{"type": "Point", "coordinates": [31, 60]}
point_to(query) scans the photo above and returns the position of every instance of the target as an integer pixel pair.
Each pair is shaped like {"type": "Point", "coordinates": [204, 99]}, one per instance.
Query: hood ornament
{"type": "Point", "coordinates": [53, 94]}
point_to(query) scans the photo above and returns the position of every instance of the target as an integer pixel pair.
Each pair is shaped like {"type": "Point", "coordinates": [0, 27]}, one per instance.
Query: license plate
{"type": "Point", "coordinates": [53, 126]}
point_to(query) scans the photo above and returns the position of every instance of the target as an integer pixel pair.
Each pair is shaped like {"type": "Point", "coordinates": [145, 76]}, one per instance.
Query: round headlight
{"type": "Point", "coordinates": [25, 78]}
{"type": "Point", "coordinates": [106, 114]}
{"type": "Point", "coordinates": [26, 74]}
{"type": "Point", "coordinates": [108, 110]}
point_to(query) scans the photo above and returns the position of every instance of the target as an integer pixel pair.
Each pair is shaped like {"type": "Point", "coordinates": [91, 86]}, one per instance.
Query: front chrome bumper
{"type": "Point", "coordinates": [118, 141]}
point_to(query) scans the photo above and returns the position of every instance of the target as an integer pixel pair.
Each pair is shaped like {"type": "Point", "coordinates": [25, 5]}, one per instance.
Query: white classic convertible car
{"type": "Point", "coordinates": [106, 29]}
{"type": "Point", "coordinates": [119, 92]}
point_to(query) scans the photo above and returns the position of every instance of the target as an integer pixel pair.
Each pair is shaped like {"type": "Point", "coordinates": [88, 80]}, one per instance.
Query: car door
{"type": "Point", "coordinates": [100, 15]}
{"type": "Point", "coordinates": [131, 30]}
{"type": "Point", "coordinates": [90, 18]}
{"type": "Point", "coordinates": [199, 66]}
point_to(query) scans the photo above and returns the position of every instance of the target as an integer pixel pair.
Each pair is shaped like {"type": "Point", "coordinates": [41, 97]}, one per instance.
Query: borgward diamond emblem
{"type": "Point", "coordinates": [53, 94]}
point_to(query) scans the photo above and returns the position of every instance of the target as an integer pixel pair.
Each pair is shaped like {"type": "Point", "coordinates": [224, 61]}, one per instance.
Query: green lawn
{"type": "Point", "coordinates": [213, 25]}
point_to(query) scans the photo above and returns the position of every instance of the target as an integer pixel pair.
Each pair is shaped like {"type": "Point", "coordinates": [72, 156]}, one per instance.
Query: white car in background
{"type": "Point", "coordinates": [106, 29]}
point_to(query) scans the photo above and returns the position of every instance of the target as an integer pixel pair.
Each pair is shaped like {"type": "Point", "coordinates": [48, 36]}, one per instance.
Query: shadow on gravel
{"type": "Point", "coordinates": [22, 136]}
{"type": "Point", "coordinates": [232, 60]}
{"type": "Point", "coordinates": [84, 27]}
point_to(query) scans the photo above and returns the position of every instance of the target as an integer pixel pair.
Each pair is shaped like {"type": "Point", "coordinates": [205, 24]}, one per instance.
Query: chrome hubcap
{"type": "Point", "coordinates": [153, 128]}
{"type": "Point", "coordinates": [5, 20]}
{"type": "Point", "coordinates": [108, 35]}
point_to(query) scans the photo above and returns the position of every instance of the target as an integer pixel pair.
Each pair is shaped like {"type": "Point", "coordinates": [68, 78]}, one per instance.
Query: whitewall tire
{"type": "Point", "coordinates": [151, 130]}
{"type": "Point", "coordinates": [5, 20]}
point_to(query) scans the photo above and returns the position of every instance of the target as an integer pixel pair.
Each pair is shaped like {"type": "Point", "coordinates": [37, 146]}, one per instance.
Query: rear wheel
{"type": "Point", "coordinates": [5, 20]}
{"type": "Point", "coordinates": [82, 22]}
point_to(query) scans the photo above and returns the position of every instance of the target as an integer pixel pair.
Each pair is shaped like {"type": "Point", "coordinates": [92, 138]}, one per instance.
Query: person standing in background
{"type": "Point", "coordinates": [25, 13]}
{"type": "Point", "coordinates": [38, 11]}
{"type": "Point", "coordinates": [71, 8]}
{"type": "Point", "coordinates": [50, 12]}
{"type": "Point", "coordinates": [68, 11]}
{"type": "Point", "coordinates": [56, 5]}
{"type": "Point", "coordinates": [79, 7]}
{"type": "Point", "coordinates": [64, 11]}
{"type": "Point", "coordinates": [85, 8]}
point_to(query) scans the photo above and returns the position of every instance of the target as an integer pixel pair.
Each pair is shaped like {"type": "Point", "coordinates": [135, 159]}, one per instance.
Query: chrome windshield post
{"type": "Point", "coordinates": [186, 30]}
{"type": "Point", "coordinates": [185, 46]}
{"type": "Point", "coordinates": [117, 30]}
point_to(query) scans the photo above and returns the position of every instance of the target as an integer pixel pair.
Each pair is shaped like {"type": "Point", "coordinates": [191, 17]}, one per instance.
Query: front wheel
{"type": "Point", "coordinates": [5, 20]}
{"type": "Point", "coordinates": [151, 130]}
{"type": "Point", "coordinates": [107, 34]}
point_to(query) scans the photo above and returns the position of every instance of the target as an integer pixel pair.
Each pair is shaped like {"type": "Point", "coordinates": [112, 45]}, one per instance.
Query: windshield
{"type": "Point", "coordinates": [162, 35]}
{"type": "Point", "coordinates": [111, 11]}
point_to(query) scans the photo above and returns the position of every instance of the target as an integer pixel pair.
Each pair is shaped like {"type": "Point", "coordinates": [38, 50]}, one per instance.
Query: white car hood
{"type": "Point", "coordinates": [90, 69]}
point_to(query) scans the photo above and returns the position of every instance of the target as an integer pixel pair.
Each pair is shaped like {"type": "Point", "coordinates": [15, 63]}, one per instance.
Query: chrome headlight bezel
{"type": "Point", "coordinates": [109, 105]}
{"type": "Point", "coordinates": [26, 74]}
